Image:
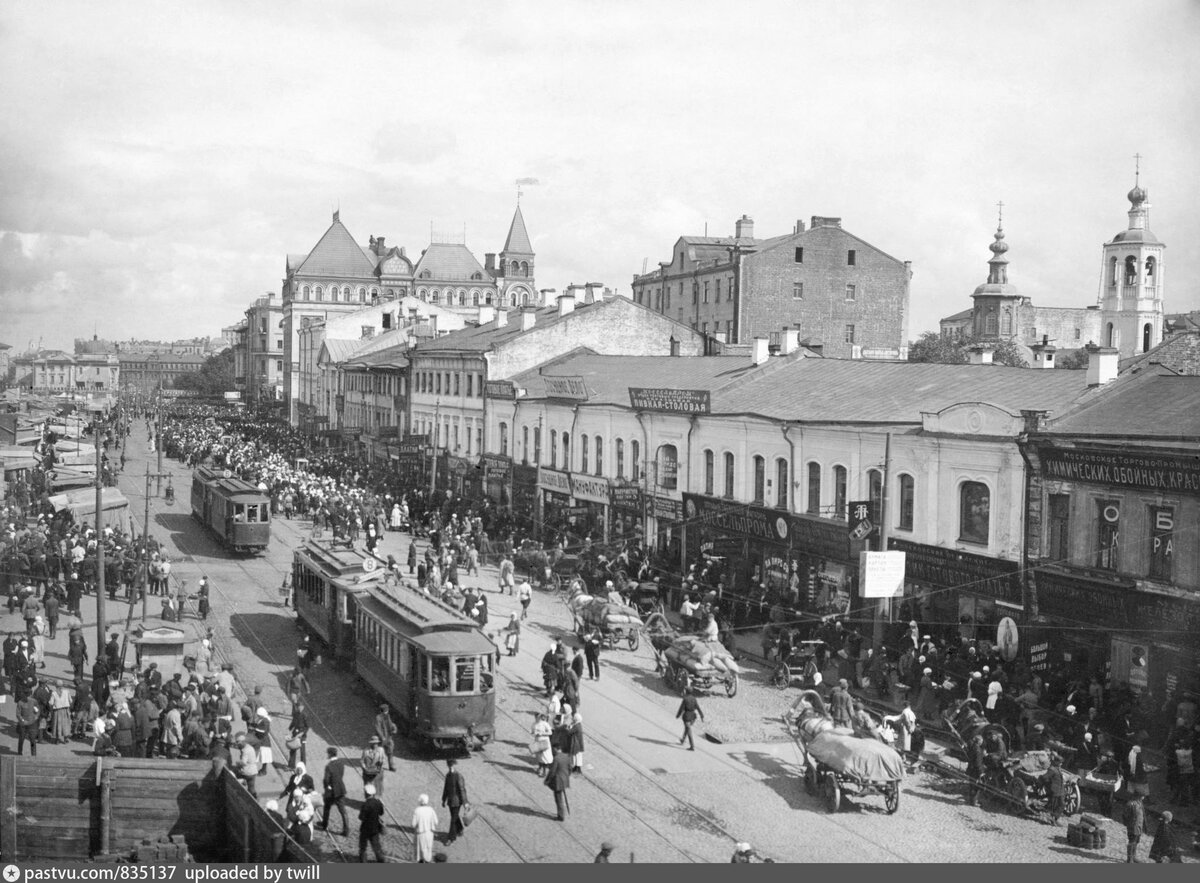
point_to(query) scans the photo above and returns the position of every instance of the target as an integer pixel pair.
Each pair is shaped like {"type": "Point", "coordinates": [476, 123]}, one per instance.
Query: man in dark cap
{"type": "Point", "coordinates": [606, 849]}
{"type": "Point", "coordinates": [334, 789]}
{"type": "Point", "coordinates": [1056, 788]}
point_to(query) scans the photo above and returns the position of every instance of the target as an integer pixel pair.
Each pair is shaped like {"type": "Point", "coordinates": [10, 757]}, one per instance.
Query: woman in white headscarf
{"type": "Point", "coordinates": [576, 735]}
{"type": "Point", "coordinates": [424, 824]}
{"type": "Point", "coordinates": [260, 732]}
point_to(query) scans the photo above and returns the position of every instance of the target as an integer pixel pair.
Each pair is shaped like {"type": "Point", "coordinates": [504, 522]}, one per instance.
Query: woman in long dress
{"type": "Point", "coordinates": [424, 824]}
{"type": "Point", "coordinates": [543, 753]}
{"type": "Point", "coordinates": [397, 521]}
{"type": "Point", "coordinates": [260, 732]}
{"type": "Point", "coordinates": [576, 734]}
{"type": "Point", "coordinates": [60, 714]}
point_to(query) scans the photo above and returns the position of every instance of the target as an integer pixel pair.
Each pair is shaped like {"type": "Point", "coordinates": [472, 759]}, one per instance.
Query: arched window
{"type": "Point", "coordinates": [760, 479]}
{"type": "Point", "coordinates": [990, 325]}
{"type": "Point", "coordinates": [503, 439]}
{"type": "Point", "coordinates": [1112, 335]}
{"type": "Point", "coordinates": [620, 455]}
{"type": "Point", "coordinates": [1131, 269]}
{"type": "Point", "coordinates": [375, 294]}
{"type": "Point", "coordinates": [875, 494]}
{"type": "Point", "coordinates": [537, 445]}
{"type": "Point", "coordinates": [668, 467]}
{"type": "Point", "coordinates": [423, 294]}
{"type": "Point", "coordinates": [839, 492]}
{"type": "Point", "coordinates": [346, 293]}
{"type": "Point", "coordinates": [729, 465]}
{"type": "Point", "coordinates": [781, 483]}
{"type": "Point", "coordinates": [907, 501]}
{"type": "Point", "coordinates": [434, 296]}
{"type": "Point", "coordinates": [524, 444]}
{"type": "Point", "coordinates": [462, 297]}
{"type": "Point", "coordinates": [1006, 322]}
{"type": "Point", "coordinates": [476, 276]}
{"type": "Point", "coordinates": [814, 489]}
{"type": "Point", "coordinates": [1112, 271]}
{"type": "Point", "coordinates": [474, 297]}
{"type": "Point", "coordinates": [566, 450]}
{"type": "Point", "coordinates": [974, 512]}
{"type": "Point", "coordinates": [599, 455]}
{"type": "Point", "coordinates": [635, 459]}
{"type": "Point", "coordinates": [362, 295]}
{"type": "Point", "coordinates": [307, 292]}
{"type": "Point", "coordinates": [553, 448]}
{"type": "Point", "coordinates": [1150, 268]}
{"type": "Point", "coordinates": [709, 469]}
{"type": "Point", "coordinates": [524, 268]}
{"type": "Point", "coordinates": [424, 274]}
{"type": "Point", "coordinates": [1147, 332]}
{"type": "Point", "coordinates": [319, 295]}
{"type": "Point", "coordinates": [583, 454]}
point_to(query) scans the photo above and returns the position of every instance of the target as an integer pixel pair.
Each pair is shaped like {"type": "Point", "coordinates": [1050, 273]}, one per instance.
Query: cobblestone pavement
{"type": "Point", "coordinates": [657, 801]}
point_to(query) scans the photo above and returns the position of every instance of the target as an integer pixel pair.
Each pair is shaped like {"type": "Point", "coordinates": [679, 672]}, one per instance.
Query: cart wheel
{"type": "Point", "coordinates": [832, 792]}
{"type": "Point", "coordinates": [1019, 792]}
{"type": "Point", "coordinates": [991, 791]}
{"type": "Point", "coordinates": [1072, 800]}
{"type": "Point", "coordinates": [891, 797]}
{"type": "Point", "coordinates": [634, 639]}
{"type": "Point", "coordinates": [731, 685]}
{"type": "Point", "coordinates": [555, 582]}
{"type": "Point", "coordinates": [812, 779]}
{"type": "Point", "coordinates": [781, 677]}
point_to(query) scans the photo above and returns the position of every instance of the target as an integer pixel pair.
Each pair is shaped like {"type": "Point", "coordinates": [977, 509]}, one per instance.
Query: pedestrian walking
{"type": "Point", "coordinates": [1134, 817]}
{"type": "Point", "coordinates": [689, 710]}
{"type": "Point", "coordinates": [385, 729]}
{"type": "Point", "coordinates": [412, 556]}
{"type": "Point", "coordinates": [297, 686]}
{"type": "Point", "coordinates": [1056, 789]}
{"type": "Point", "coordinates": [202, 598]}
{"type": "Point", "coordinates": [297, 741]}
{"type": "Point", "coordinates": [525, 595]}
{"type": "Point", "coordinates": [29, 714]}
{"type": "Point", "coordinates": [370, 824]}
{"type": "Point", "coordinates": [373, 759]}
{"type": "Point", "coordinates": [424, 824]}
{"type": "Point", "coordinates": [606, 849]}
{"type": "Point", "coordinates": [976, 758]}
{"type": "Point", "coordinates": [333, 788]}
{"type": "Point", "coordinates": [507, 574]}
{"type": "Point", "coordinates": [1165, 848]}
{"type": "Point", "coordinates": [592, 644]}
{"type": "Point", "coordinates": [454, 797]}
{"type": "Point", "coordinates": [576, 735]}
{"type": "Point", "coordinates": [244, 763]}
{"type": "Point", "coordinates": [304, 654]}
{"type": "Point", "coordinates": [540, 747]}
{"type": "Point", "coordinates": [558, 780]}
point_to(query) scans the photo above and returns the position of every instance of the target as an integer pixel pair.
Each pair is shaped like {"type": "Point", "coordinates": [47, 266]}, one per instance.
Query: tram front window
{"type": "Point", "coordinates": [239, 512]}
{"type": "Point", "coordinates": [441, 675]}
{"type": "Point", "coordinates": [252, 513]}
{"type": "Point", "coordinates": [464, 674]}
{"type": "Point", "coordinates": [485, 674]}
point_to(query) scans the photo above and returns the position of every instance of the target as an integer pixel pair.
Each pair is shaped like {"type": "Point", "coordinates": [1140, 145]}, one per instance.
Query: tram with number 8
{"type": "Point", "coordinates": [234, 510]}
{"type": "Point", "coordinates": [432, 665]}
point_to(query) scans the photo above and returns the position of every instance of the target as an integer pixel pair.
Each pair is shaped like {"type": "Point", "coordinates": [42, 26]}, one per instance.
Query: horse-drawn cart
{"type": "Point", "coordinates": [616, 623]}
{"type": "Point", "coordinates": [690, 662]}
{"type": "Point", "coordinates": [837, 763]}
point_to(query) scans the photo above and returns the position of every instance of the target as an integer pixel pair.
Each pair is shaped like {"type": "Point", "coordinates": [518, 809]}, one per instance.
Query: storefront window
{"type": "Point", "coordinates": [760, 479]}
{"type": "Point", "coordinates": [599, 455]}
{"type": "Point", "coordinates": [1108, 518]}
{"type": "Point", "coordinates": [839, 492]}
{"type": "Point", "coordinates": [709, 468]}
{"type": "Point", "coordinates": [668, 467]}
{"type": "Point", "coordinates": [907, 499]}
{"type": "Point", "coordinates": [974, 506]}
{"type": "Point", "coordinates": [781, 483]}
{"type": "Point", "coordinates": [728, 474]}
{"type": "Point", "coordinates": [620, 458]}
{"type": "Point", "coordinates": [814, 489]}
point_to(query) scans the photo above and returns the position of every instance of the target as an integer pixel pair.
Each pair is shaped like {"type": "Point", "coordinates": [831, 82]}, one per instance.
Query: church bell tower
{"type": "Point", "coordinates": [1131, 281]}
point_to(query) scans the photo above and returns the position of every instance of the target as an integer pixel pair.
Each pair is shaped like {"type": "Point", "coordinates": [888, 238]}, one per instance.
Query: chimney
{"type": "Point", "coordinates": [819, 221]}
{"type": "Point", "coordinates": [981, 355]}
{"type": "Point", "coordinates": [760, 350]}
{"type": "Point", "coordinates": [799, 228]}
{"type": "Point", "coordinates": [789, 341]}
{"type": "Point", "coordinates": [1102, 364]}
{"type": "Point", "coordinates": [501, 317]}
{"type": "Point", "coordinates": [674, 345]}
{"type": "Point", "coordinates": [595, 293]}
{"type": "Point", "coordinates": [489, 262]}
{"type": "Point", "coordinates": [1043, 353]}
{"type": "Point", "coordinates": [270, 295]}
{"type": "Point", "coordinates": [528, 317]}
{"type": "Point", "coordinates": [379, 246]}
{"type": "Point", "coordinates": [566, 301]}
{"type": "Point", "coordinates": [744, 227]}
{"type": "Point", "coordinates": [486, 313]}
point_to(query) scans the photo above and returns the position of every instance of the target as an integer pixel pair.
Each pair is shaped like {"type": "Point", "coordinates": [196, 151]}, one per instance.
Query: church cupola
{"type": "Point", "coordinates": [998, 265]}
{"type": "Point", "coordinates": [996, 314]}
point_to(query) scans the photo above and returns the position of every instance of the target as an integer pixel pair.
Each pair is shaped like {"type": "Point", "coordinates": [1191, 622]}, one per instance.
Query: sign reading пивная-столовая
{"type": "Point", "coordinates": [682, 401]}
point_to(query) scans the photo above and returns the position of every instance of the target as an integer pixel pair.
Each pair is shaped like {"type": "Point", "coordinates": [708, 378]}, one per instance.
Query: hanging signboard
{"type": "Point", "coordinates": [881, 574]}
{"type": "Point", "coordinates": [553, 480]}
{"type": "Point", "coordinates": [1164, 473]}
{"type": "Point", "coordinates": [499, 389]}
{"type": "Point", "coordinates": [1006, 639]}
{"type": "Point", "coordinates": [679, 401]}
{"type": "Point", "coordinates": [566, 388]}
{"type": "Point", "coordinates": [626, 497]}
{"type": "Point", "coordinates": [590, 488]}
{"type": "Point", "coordinates": [860, 521]}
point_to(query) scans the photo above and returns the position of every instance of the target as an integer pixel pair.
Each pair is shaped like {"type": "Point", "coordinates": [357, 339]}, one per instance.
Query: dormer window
{"type": "Point", "coordinates": [424, 274]}
{"type": "Point", "coordinates": [477, 276]}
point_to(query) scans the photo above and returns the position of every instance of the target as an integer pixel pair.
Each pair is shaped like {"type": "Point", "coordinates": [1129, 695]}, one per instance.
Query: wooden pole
{"type": "Point", "coordinates": [100, 623]}
{"type": "Point", "coordinates": [105, 841]}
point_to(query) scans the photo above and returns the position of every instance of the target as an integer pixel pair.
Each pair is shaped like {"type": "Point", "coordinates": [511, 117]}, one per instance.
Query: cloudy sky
{"type": "Point", "coordinates": [160, 159]}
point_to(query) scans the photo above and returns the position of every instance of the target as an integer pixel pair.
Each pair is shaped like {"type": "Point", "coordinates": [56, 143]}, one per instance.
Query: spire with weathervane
{"type": "Point", "coordinates": [516, 267]}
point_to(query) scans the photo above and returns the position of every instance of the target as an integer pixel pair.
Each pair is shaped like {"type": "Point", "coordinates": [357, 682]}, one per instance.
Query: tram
{"type": "Point", "coordinates": [237, 512]}
{"type": "Point", "coordinates": [428, 661]}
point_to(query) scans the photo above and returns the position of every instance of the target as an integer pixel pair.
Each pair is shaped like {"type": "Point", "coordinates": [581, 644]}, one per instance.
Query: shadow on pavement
{"type": "Point", "coordinates": [782, 777]}
{"type": "Point", "coordinates": [521, 810]}
{"type": "Point", "coordinates": [648, 679]}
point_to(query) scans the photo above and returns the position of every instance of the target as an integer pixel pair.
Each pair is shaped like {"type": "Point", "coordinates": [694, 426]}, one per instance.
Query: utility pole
{"type": "Point", "coordinates": [158, 435]}
{"type": "Point", "coordinates": [100, 623]}
{"type": "Point", "coordinates": [437, 431]}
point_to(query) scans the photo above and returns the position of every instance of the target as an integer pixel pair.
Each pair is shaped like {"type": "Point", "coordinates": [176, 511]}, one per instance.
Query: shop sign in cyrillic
{"type": "Point", "coordinates": [553, 480]}
{"type": "Point", "coordinates": [591, 488]}
{"type": "Point", "coordinates": [677, 401]}
{"type": "Point", "coordinates": [665, 509]}
{"type": "Point", "coordinates": [817, 536]}
{"type": "Point", "coordinates": [566, 388]}
{"type": "Point", "coordinates": [1145, 472]}
{"type": "Point", "coordinates": [734, 518]}
{"type": "Point", "coordinates": [624, 497]}
{"type": "Point", "coordinates": [407, 447]}
{"type": "Point", "coordinates": [951, 569]}
{"type": "Point", "coordinates": [495, 465]}
{"type": "Point", "coordinates": [499, 389]}
{"type": "Point", "coordinates": [1175, 619]}
{"type": "Point", "coordinates": [1082, 600]}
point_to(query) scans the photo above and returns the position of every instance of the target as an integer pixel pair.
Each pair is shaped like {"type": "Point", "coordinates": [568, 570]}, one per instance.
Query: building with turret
{"type": "Point", "coordinates": [1128, 313]}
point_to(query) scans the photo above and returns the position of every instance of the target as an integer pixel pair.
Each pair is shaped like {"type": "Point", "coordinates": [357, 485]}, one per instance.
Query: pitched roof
{"type": "Point", "coordinates": [1180, 352]}
{"type": "Point", "coordinates": [339, 349]}
{"type": "Point", "coordinates": [518, 239]}
{"type": "Point", "coordinates": [337, 254]}
{"type": "Point", "coordinates": [608, 378]}
{"type": "Point", "coordinates": [958, 317]}
{"type": "Point", "coordinates": [449, 262]}
{"type": "Point", "coordinates": [842, 390]}
{"type": "Point", "coordinates": [390, 357]}
{"type": "Point", "coordinates": [1153, 404]}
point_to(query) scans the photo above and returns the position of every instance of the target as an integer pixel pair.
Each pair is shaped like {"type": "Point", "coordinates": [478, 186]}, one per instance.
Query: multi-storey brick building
{"type": "Point", "coordinates": [844, 295]}
{"type": "Point", "coordinates": [264, 349]}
